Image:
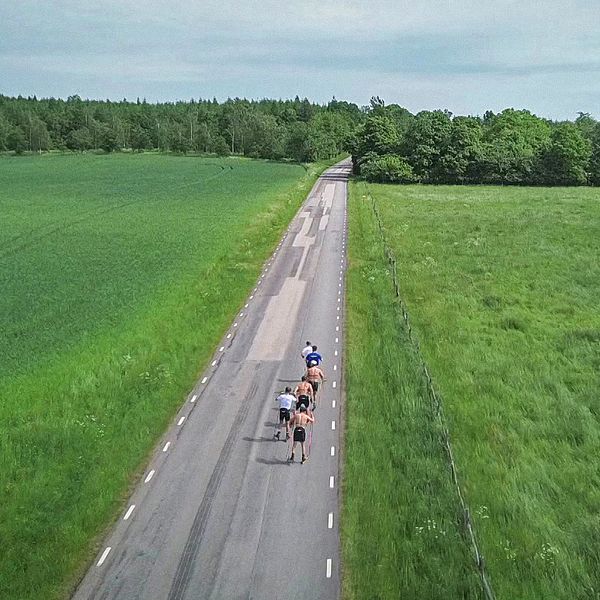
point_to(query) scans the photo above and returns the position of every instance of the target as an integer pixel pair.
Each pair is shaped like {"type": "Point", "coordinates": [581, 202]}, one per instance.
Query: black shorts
{"type": "Point", "coordinates": [299, 434]}
{"type": "Point", "coordinates": [302, 401]}
{"type": "Point", "coordinates": [315, 385]}
{"type": "Point", "coordinates": [284, 414]}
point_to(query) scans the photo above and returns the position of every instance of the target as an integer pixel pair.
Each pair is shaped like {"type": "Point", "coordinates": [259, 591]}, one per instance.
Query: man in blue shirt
{"type": "Point", "coordinates": [313, 357]}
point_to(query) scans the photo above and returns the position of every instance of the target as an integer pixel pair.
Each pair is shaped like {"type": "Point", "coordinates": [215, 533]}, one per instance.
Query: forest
{"type": "Point", "coordinates": [388, 143]}
{"type": "Point", "coordinates": [274, 129]}
{"type": "Point", "coordinates": [513, 147]}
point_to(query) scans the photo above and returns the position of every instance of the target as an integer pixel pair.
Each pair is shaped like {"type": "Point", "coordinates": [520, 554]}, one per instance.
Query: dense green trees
{"type": "Point", "coordinates": [273, 129]}
{"type": "Point", "coordinates": [512, 147]}
{"type": "Point", "coordinates": [387, 142]}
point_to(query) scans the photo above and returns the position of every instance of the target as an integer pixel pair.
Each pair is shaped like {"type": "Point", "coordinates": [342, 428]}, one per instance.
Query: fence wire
{"type": "Point", "coordinates": [438, 408]}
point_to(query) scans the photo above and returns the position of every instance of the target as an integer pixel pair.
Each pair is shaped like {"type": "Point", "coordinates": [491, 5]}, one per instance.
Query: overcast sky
{"type": "Point", "coordinates": [466, 56]}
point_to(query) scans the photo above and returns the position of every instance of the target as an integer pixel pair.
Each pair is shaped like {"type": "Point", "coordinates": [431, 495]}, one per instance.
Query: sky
{"type": "Point", "coordinates": [464, 56]}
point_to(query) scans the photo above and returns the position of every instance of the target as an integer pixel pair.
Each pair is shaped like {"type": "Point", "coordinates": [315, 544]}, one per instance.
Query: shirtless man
{"type": "Point", "coordinates": [303, 393]}
{"type": "Point", "coordinates": [314, 376]}
{"type": "Point", "coordinates": [299, 423]}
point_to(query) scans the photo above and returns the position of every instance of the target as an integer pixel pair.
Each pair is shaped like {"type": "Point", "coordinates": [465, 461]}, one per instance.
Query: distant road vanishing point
{"type": "Point", "coordinates": [220, 513]}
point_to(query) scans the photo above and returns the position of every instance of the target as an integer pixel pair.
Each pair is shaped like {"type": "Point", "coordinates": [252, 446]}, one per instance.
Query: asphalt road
{"type": "Point", "coordinates": [220, 513]}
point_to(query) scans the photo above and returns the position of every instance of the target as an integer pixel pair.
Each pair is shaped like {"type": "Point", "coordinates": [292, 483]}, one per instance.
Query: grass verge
{"type": "Point", "coordinates": [400, 530]}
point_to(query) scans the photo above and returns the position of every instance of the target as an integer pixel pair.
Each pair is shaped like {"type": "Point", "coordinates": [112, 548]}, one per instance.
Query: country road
{"type": "Point", "coordinates": [220, 513]}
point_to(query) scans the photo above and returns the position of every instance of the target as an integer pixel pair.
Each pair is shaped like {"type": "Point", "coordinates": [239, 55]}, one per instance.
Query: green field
{"type": "Point", "coordinates": [118, 276]}
{"type": "Point", "coordinates": [502, 285]}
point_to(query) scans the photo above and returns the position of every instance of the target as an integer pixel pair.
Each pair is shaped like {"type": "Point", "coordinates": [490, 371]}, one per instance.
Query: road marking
{"type": "Point", "coordinates": [334, 384]}
{"type": "Point", "coordinates": [338, 317]}
{"type": "Point", "coordinates": [335, 353]}
{"type": "Point", "coordinates": [204, 379]}
{"type": "Point", "coordinates": [221, 348]}
{"type": "Point", "coordinates": [166, 446]}
{"type": "Point", "coordinates": [332, 450]}
{"type": "Point", "coordinates": [338, 308]}
{"type": "Point", "coordinates": [242, 314]}
{"type": "Point", "coordinates": [330, 521]}
{"type": "Point", "coordinates": [335, 367]}
{"type": "Point", "coordinates": [149, 476]}
{"type": "Point", "coordinates": [103, 557]}
{"type": "Point", "coordinates": [328, 572]}
{"type": "Point", "coordinates": [128, 513]}
{"type": "Point", "coordinates": [331, 482]}
{"type": "Point", "coordinates": [337, 327]}
{"type": "Point", "coordinates": [333, 404]}
{"type": "Point", "coordinates": [339, 299]}
{"type": "Point", "coordinates": [213, 363]}
{"type": "Point", "coordinates": [193, 398]}
{"type": "Point", "coordinates": [235, 324]}
{"type": "Point", "coordinates": [333, 425]}
{"type": "Point", "coordinates": [337, 340]}
{"type": "Point", "coordinates": [340, 284]}
{"type": "Point", "coordinates": [252, 296]}
{"type": "Point", "coordinates": [180, 422]}
{"type": "Point", "coordinates": [228, 335]}
{"type": "Point", "coordinates": [246, 305]}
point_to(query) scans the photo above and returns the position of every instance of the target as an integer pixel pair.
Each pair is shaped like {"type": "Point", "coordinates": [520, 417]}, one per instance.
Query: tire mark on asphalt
{"type": "Point", "coordinates": [192, 545]}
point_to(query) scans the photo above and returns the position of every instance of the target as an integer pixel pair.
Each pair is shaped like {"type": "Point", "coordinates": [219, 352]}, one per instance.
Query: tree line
{"type": "Point", "coordinates": [274, 129]}
{"type": "Point", "coordinates": [387, 142]}
{"type": "Point", "coordinates": [513, 147]}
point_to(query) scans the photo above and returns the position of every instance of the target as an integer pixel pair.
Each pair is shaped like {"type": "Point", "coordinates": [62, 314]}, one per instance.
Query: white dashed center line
{"type": "Point", "coordinates": [335, 367]}
{"type": "Point", "coordinates": [204, 379]}
{"type": "Point", "coordinates": [334, 385]}
{"type": "Point", "coordinates": [166, 446]}
{"type": "Point", "coordinates": [193, 398]}
{"type": "Point", "coordinates": [333, 425]}
{"type": "Point", "coordinates": [128, 513]}
{"type": "Point", "coordinates": [332, 450]}
{"type": "Point", "coordinates": [213, 363]}
{"type": "Point", "coordinates": [221, 348]}
{"type": "Point", "coordinates": [333, 404]}
{"type": "Point", "coordinates": [235, 324]}
{"type": "Point", "coordinates": [149, 476]}
{"type": "Point", "coordinates": [335, 353]}
{"type": "Point", "coordinates": [228, 335]}
{"type": "Point", "coordinates": [330, 521]}
{"type": "Point", "coordinates": [180, 422]}
{"type": "Point", "coordinates": [337, 340]}
{"type": "Point", "coordinates": [331, 482]}
{"type": "Point", "coordinates": [328, 571]}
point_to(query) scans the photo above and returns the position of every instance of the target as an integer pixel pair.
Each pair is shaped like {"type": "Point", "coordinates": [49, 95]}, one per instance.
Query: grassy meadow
{"type": "Point", "coordinates": [502, 285]}
{"type": "Point", "coordinates": [118, 276]}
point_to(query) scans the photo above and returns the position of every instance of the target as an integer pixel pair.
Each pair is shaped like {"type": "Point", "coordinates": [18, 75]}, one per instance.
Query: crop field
{"type": "Point", "coordinates": [502, 285]}
{"type": "Point", "coordinates": [118, 276]}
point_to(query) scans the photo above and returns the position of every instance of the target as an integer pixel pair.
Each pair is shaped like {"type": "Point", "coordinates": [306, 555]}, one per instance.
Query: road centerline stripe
{"type": "Point", "coordinates": [149, 476]}
{"type": "Point", "coordinates": [128, 513]}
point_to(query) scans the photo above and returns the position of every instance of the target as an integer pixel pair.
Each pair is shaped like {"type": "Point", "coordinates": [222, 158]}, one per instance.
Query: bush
{"type": "Point", "coordinates": [389, 168]}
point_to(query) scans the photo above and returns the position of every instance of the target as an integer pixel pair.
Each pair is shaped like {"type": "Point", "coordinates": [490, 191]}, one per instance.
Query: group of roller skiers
{"type": "Point", "coordinates": [296, 409]}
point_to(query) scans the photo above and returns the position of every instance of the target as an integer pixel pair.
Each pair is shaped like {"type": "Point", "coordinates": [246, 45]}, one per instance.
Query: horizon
{"type": "Point", "coordinates": [465, 57]}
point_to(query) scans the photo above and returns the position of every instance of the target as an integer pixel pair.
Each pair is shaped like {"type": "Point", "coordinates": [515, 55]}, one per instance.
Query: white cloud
{"type": "Point", "coordinates": [464, 55]}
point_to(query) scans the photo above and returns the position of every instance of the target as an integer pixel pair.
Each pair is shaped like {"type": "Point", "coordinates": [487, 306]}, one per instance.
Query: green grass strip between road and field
{"type": "Point", "coordinates": [401, 532]}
